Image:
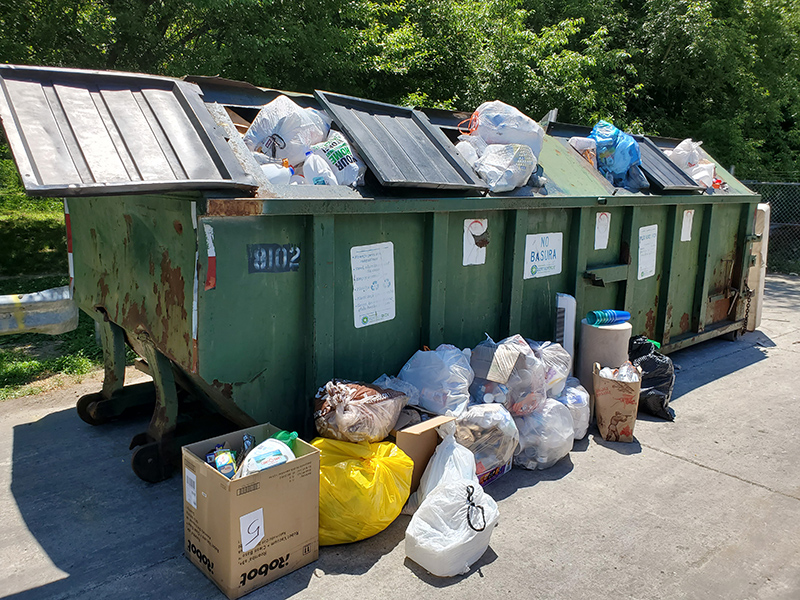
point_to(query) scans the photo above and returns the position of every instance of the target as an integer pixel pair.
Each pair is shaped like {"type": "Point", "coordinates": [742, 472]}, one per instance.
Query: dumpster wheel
{"type": "Point", "coordinates": [149, 465]}
{"type": "Point", "coordinates": [86, 408]}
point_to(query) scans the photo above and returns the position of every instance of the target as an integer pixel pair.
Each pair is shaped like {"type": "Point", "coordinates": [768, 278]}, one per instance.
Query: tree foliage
{"type": "Point", "coordinates": [724, 71]}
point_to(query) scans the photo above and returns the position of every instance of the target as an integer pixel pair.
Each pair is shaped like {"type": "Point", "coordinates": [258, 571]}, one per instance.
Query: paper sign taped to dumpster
{"type": "Point", "coordinates": [542, 254]}
{"type": "Point", "coordinates": [648, 242]}
{"type": "Point", "coordinates": [373, 283]}
{"type": "Point", "coordinates": [602, 227]}
{"type": "Point", "coordinates": [476, 238]}
{"type": "Point", "coordinates": [686, 226]}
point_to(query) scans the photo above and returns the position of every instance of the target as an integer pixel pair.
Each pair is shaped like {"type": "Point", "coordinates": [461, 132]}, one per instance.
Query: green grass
{"type": "Point", "coordinates": [33, 257]}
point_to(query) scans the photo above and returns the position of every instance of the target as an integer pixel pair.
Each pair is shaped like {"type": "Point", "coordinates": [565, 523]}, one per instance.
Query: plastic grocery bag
{"type": "Point", "coordinates": [616, 152]}
{"type": "Point", "coordinates": [658, 377]}
{"type": "Point", "coordinates": [450, 462]}
{"type": "Point", "coordinates": [362, 488]}
{"type": "Point", "coordinates": [505, 167]}
{"type": "Point", "coordinates": [576, 399]}
{"type": "Point", "coordinates": [345, 164]}
{"type": "Point", "coordinates": [498, 123]}
{"type": "Point", "coordinates": [557, 365]}
{"type": "Point", "coordinates": [356, 412]}
{"type": "Point", "coordinates": [489, 432]}
{"type": "Point", "coordinates": [586, 147]}
{"type": "Point", "coordinates": [545, 436]}
{"type": "Point", "coordinates": [452, 528]}
{"type": "Point", "coordinates": [686, 154]}
{"type": "Point", "coordinates": [282, 129]}
{"type": "Point", "coordinates": [442, 377]}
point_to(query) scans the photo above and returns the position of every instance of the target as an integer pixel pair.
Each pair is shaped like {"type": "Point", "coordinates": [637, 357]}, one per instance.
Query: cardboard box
{"type": "Point", "coordinates": [491, 475]}
{"type": "Point", "coordinates": [418, 442]}
{"type": "Point", "coordinates": [244, 533]}
{"type": "Point", "coordinates": [616, 404]}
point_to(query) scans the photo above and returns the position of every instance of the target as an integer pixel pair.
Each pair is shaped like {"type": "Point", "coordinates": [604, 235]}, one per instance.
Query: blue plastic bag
{"type": "Point", "coordinates": [617, 152]}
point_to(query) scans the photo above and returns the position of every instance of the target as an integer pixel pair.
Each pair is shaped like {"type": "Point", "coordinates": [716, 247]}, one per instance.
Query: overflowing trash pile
{"type": "Point", "coordinates": [510, 402]}
{"type": "Point", "coordinates": [296, 146]}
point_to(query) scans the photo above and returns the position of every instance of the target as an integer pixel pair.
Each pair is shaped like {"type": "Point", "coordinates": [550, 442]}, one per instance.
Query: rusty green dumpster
{"type": "Point", "coordinates": [246, 296]}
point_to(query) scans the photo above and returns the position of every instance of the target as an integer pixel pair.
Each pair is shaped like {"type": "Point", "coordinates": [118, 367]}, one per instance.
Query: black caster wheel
{"type": "Point", "coordinates": [87, 406]}
{"type": "Point", "coordinates": [148, 464]}
{"type": "Point", "coordinates": [733, 336]}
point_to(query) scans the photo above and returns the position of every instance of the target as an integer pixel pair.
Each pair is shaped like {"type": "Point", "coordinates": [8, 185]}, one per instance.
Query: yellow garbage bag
{"type": "Point", "coordinates": [362, 488]}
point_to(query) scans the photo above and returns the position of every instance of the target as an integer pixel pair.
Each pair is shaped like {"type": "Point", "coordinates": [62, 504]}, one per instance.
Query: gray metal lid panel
{"type": "Point", "coordinates": [76, 132]}
{"type": "Point", "coordinates": [400, 145]}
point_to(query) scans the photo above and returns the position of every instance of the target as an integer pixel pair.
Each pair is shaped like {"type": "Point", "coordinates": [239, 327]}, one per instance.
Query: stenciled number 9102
{"type": "Point", "coordinates": [273, 258]}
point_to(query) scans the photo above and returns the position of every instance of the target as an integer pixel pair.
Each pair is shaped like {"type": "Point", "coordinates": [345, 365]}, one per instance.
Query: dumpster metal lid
{"type": "Point", "coordinates": [661, 172]}
{"type": "Point", "coordinates": [75, 132]}
{"type": "Point", "coordinates": [400, 145]}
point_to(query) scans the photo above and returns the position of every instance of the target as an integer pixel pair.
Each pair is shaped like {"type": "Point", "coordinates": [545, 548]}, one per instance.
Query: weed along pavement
{"type": "Point", "coordinates": [704, 507]}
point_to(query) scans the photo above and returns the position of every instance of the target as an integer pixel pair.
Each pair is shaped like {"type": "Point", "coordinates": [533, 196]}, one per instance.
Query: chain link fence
{"type": "Point", "coordinates": [784, 229]}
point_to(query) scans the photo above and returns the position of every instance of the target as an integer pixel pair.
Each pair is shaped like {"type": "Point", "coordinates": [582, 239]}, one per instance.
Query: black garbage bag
{"type": "Point", "coordinates": [658, 377]}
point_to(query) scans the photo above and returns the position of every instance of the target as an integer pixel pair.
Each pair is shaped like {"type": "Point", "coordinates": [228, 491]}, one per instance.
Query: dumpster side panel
{"type": "Point", "coordinates": [252, 315]}
{"type": "Point", "coordinates": [649, 232]}
{"type": "Point", "coordinates": [686, 247]}
{"type": "Point", "coordinates": [473, 298]}
{"type": "Point", "coordinates": [134, 261]}
{"type": "Point", "coordinates": [551, 228]}
{"type": "Point", "coordinates": [364, 353]}
{"type": "Point", "coordinates": [724, 262]}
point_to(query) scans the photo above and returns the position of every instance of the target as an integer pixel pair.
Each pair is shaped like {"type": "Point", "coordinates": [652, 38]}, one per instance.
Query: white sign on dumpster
{"type": "Point", "coordinates": [648, 244]}
{"type": "Point", "coordinates": [373, 283]}
{"type": "Point", "coordinates": [542, 254]}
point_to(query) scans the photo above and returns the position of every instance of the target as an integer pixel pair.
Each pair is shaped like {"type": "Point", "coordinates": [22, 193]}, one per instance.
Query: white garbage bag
{"type": "Point", "coordinates": [545, 436]}
{"type": "Point", "coordinates": [452, 528]}
{"type": "Point", "coordinates": [344, 163]}
{"type": "Point", "coordinates": [442, 376]}
{"type": "Point", "coordinates": [686, 154]}
{"type": "Point", "coordinates": [498, 123]}
{"type": "Point", "coordinates": [505, 167]}
{"type": "Point", "coordinates": [557, 365]}
{"type": "Point", "coordinates": [576, 399]}
{"type": "Point", "coordinates": [450, 462]}
{"type": "Point", "coordinates": [282, 129]}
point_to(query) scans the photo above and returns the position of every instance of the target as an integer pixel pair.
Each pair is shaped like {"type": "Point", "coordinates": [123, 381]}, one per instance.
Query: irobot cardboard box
{"type": "Point", "coordinates": [244, 533]}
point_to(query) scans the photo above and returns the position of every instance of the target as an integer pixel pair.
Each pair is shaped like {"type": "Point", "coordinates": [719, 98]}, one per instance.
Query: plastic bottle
{"type": "Point", "coordinates": [277, 174]}
{"type": "Point", "coordinates": [317, 171]}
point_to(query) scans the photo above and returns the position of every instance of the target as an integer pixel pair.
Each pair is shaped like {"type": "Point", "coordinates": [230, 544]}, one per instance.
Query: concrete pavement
{"type": "Point", "coordinates": [705, 507]}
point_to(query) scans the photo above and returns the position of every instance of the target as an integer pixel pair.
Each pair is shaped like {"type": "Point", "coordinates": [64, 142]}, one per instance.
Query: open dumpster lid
{"type": "Point", "coordinates": [90, 133]}
{"type": "Point", "coordinates": [400, 145]}
{"type": "Point", "coordinates": [660, 171]}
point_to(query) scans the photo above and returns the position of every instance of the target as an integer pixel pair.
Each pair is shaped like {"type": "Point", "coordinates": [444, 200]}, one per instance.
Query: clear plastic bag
{"type": "Point", "coordinates": [498, 123]}
{"type": "Point", "coordinates": [442, 376]}
{"type": "Point", "coordinates": [362, 488]}
{"type": "Point", "coordinates": [576, 399]}
{"type": "Point", "coordinates": [557, 365]}
{"type": "Point", "coordinates": [545, 436]}
{"type": "Point", "coordinates": [450, 462]}
{"type": "Point", "coordinates": [356, 412]}
{"type": "Point", "coordinates": [452, 529]}
{"type": "Point", "coordinates": [513, 364]}
{"type": "Point", "coordinates": [395, 383]}
{"type": "Point", "coordinates": [505, 167]}
{"type": "Point", "coordinates": [489, 432]}
{"type": "Point", "coordinates": [282, 129]}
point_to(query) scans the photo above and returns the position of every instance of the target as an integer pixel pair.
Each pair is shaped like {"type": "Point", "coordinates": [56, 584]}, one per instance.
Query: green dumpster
{"type": "Point", "coordinates": [250, 296]}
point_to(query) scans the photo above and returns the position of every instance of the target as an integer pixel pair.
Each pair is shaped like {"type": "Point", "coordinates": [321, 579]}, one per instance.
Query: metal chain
{"type": "Point", "coordinates": [748, 293]}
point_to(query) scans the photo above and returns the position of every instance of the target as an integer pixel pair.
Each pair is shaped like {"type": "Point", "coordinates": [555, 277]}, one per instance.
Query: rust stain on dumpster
{"type": "Point", "coordinates": [650, 322]}
{"type": "Point", "coordinates": [234, 208]}
{"type": "Point", "coordinates": [684, 324]}
{"type": "Point", "coordinates": [226, 389]}
{"type": "Point", "coordinates": [178, 227]}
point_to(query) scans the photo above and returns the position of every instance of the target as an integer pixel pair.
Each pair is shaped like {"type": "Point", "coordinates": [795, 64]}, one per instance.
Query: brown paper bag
{"type": "Point", "coordinates": [615, 406]}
